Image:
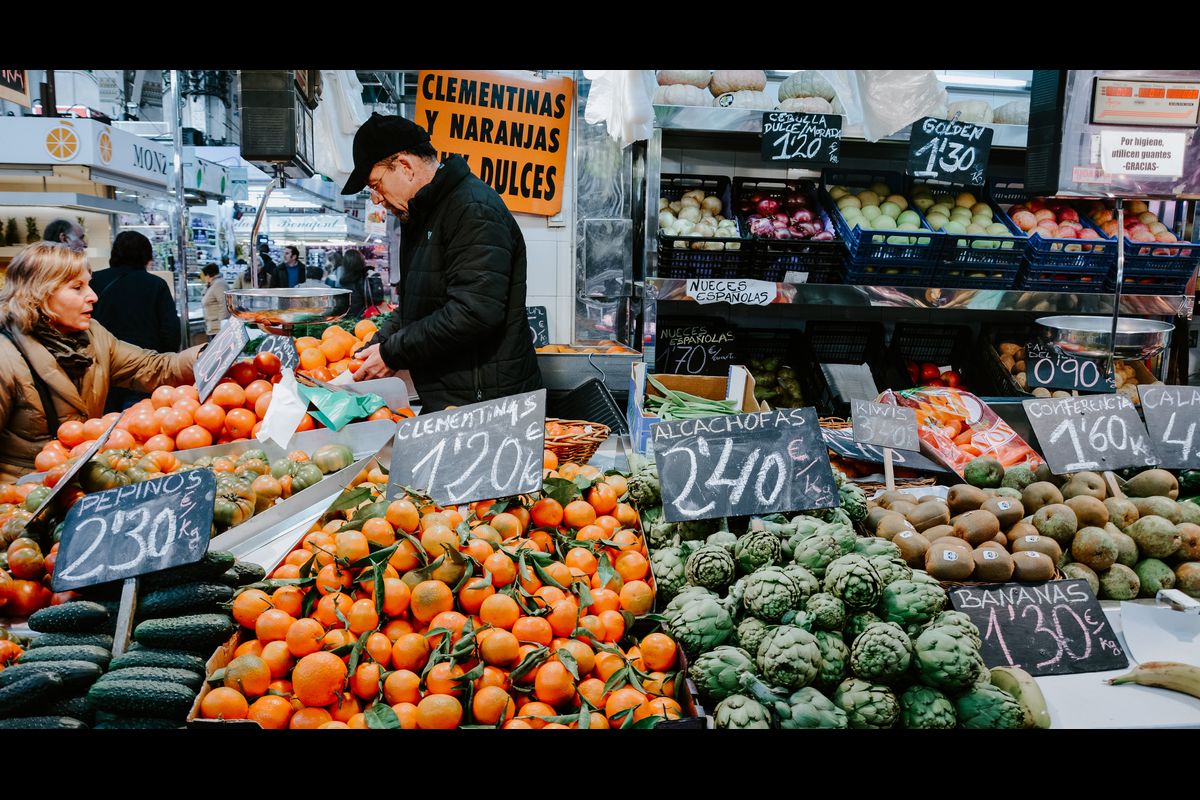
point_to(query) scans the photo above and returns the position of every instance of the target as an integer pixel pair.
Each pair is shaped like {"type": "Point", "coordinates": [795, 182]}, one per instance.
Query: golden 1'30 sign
{"type": "Point", "coordinates": [510, 127]}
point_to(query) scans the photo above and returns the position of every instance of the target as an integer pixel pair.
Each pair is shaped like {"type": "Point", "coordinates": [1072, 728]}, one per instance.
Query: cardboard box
{"type": "Point", "coordinates": [737, 385]}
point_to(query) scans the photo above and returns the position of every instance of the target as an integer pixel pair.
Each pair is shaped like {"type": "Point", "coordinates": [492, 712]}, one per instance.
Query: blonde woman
{"type": "Point", "coordinates": [56, 363]}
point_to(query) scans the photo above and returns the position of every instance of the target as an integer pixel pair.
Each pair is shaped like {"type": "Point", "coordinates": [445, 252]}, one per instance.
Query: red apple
{"type": "Point", "coordinates": [1068, 213]}
{"type": "Point", "coordinates": [952, 379]}
{"type": "Point", "coordinates": [929, 371]}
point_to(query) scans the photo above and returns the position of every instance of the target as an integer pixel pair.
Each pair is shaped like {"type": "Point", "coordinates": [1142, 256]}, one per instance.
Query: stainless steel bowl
{"type": "Point", "coordinates": [1089, 336]}
{"type": "Point", "coordinates": [273, 309]}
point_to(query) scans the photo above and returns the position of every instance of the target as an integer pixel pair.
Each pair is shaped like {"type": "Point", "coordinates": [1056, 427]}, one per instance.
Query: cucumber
{"type": "Point", "coordinates": [192, 680]}
{"type": "Point", "coordinates": [194, 632]}
{"type": "Point", "coordinates": [212, 566]}
{"type": "Point", "coordinates": [248, 572]}
{"type": "Point", "coordinates": [78, 652]}
{"type": "Point", "coordinates": [29, 693]}
{"type": "Point", "coordinates": [42, 723]}
{"type": "Point", "coordinates": [77, 616]}
{"type": "Point", "coordinates": [76, 676]}
{"type": "Point", "coordinates": [229, 578]}
{"type": "Point", "coordinates": [71, 639]}
{"type": "Point", "coordinates": [187, 598]}
{"type": "Point", "coordinates": [168, 659]}
{"type": "Point", "coordinates": [143, 698]}
{"type": "Point", "coordinates": [77, 707]}
{"type": "Point", "coordinates": [137, 723]}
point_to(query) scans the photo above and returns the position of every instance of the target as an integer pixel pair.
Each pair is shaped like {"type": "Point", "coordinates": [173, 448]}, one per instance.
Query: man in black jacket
{"type": "Point", "coordinates": [461, 331]}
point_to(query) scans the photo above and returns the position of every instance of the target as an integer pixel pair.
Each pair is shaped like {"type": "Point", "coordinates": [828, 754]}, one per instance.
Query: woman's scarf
{"type": "Point", "coordinates": [72, 351]}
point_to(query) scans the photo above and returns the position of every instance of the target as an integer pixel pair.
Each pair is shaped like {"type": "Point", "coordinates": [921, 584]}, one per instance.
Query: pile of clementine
{"type": "Point", "coordinates": [333, 354]}
{"type": "Point", "coordinates": [516, 615]}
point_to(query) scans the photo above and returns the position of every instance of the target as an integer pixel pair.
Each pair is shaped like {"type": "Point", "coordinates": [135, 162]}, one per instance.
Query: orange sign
{"type": "Point", "coordinates": [510, 127]}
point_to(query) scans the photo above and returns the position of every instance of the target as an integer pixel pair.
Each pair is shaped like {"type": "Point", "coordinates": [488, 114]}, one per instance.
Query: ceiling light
{"type": "Point", "coordinates": [982, 82]}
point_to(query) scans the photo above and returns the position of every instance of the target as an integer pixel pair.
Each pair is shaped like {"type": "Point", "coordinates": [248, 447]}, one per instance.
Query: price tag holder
{"type": "Point", "coordinates": [736, 292]}
{"type": "Point", "coordinates": [1046, 368]}
{"type": "Point", "coordinates": [884, 425]}
{"type": "Point", "coordinates": [801, 138]}
{"type": "Point", "coordinates": [219, 356]}
{"type": "Point", "coordinates": [706, 347]}
{"type": "Point", "coordinates": [539, 325]}
{"type": "Point", "coordinates": [284, 347]}
{"type": "Point", "coordinates": [1099, 432]}
{"type": "Point", "coordinates": [1053, 628]}
{"type": "Point", "coordinates": [483, 451]}
{"type": "Point", "coordinates": [132, 530]}
{"type": "Point", "coordinates": [946, 150]}
{"type": "Point", "coordinates": [841, 441]}
{"type": "Point", "coordinates": [743, 464]}
{"type": "Point", "coordinates": [40, 515]}
{"type": "Point", "coordinates": [1172, 414]}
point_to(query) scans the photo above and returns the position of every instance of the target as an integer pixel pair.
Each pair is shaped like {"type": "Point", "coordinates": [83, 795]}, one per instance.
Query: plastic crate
{"type": "Point", "coordinates": [1166, 260]}
{"type": "Point", "coordinates": [996, 253]}
{"type": "Point", "coordinates": [873, 247]}
{"type": "Point", "coordinates": [838, 343]}
{"type": "Point", "coordinates": [786, 345]}
{"type": "Point", "coordinates": [1098, 256]}
{"type": "Point", "coordinates": [591, 401]}
{"type": "Point", "coordinates": [772, 259]}
{"type": "Point", "coordinates": [943, 345]}
{"type": "Point", "coordinates": [677, 258]}
{"type": "Point", "coordinates": [1003, 382]}
{"type": "Point", "coordinates": [874, 273]}
{"type": "Point", "coordinates": [1077, 279]}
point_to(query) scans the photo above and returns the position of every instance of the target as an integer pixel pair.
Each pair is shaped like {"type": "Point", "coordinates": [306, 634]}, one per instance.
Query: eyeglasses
{"type": "Point", "coordinates": [373, 185]}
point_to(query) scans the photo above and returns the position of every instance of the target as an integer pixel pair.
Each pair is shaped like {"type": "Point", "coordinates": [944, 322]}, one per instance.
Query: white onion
{"type": "Point", "coordinates": [666, 219]}
{"type": "Point", "coordinates": [696, 193]}
{"type": "Point", "coordinates": [712, 204]}
{"type": "Point", "coordinates": [675, 206]}
{"type": "Point", "coordinates": [689, 202]}
{"type": "Point", "coordinates": [684, 227]}
{"type": "Point", "coordinates": [663, 203]}
{"type": "Point", "coordinates": [704, 231]}
{"type": "Point", "coordinates": [689, 213]}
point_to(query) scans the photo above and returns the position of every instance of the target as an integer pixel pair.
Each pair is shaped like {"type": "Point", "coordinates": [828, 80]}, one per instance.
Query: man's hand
{"type": "Point", "coordinates": [373, 367]}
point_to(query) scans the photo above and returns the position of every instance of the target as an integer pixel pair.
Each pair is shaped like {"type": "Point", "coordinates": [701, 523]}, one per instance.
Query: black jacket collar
{"type": "Point", "coordinates": [451, 173]}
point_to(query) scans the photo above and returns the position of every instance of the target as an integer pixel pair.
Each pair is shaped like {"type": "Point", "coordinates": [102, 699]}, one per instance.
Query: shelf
{"type": "Point", "coordinates": [824, 295]}
{"type": "Point", "coordinates": [699, 119]}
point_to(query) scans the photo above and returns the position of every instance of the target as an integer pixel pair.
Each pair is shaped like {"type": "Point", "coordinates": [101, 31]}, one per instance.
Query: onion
{"type": "Point", "coordinates": [663, 203]}
{"type": "Point", "coordinates": [675, 206]}
{"type": "Point", "coordinates": [801, 215]}
{"type": "Point", "coordinates": [704, 231]}
{"type": "Point", "coordinates": [784, 233]}
{"type": "Point", "coordinates": [689, 202]}
{"type": "Point", "coordinates": [823, 236]}
{"type": "Point", "coordinates": [690, 213]}
{"type": "Point", "coordinates": [684, 227]}
{"type": "Point", "coordinates": [760, 226]}
{"type": "Point", "coordinates": [712, 204]}
{"type": "Point", "coordinates": [666, 219]}
{"type": "Point", "coordinates": [782, 218]}
{"type": "Point", "coordinates": [767, 206]}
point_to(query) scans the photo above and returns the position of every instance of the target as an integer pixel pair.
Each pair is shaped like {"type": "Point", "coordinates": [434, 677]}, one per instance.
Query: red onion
{"type": "Point", "coordinates": [761, 227]}
{"type": "Point", "coordinates": [782, 218]}
{"type": "Point", "coordinates": [801, 215]}
{"type": "Point", "coordinates": [823, 236]}
{"type": "Point", "coordinates": [784, 233]}
{"type": "Point", "coordinates": [767, 206]}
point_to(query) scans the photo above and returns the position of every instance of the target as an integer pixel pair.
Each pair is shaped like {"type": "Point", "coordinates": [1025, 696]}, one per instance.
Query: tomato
{"type": "Point", "coordinates": [234, 504]}
{"type": "Point", "coordinates": [283, 466]}
{"type": "Point", "coordinates": [107, 471]}
{"type": "Point", "coordinates": [120, 440]}
{"type": "Point", "coordinates": [952, 378]}
{"type": "Point", "coordinates": [267, 363]}
{"type": "Point", "coordinates": [307, 474]}
{"type": "Point", "coordinates": [143, 425]}
{"type": "Point", "coordinates": [256, 466]}
{"type": "Point", "coordinates": [6, 583]}
{"type": "Point", "coordinates": [253, 454]}
{"type": "Point", "coordinates": [332, 457]}
{"type": "Point", "coordinates": [239, 422]}
{"type": "Point", "coordinates": [23, 543]}
{"type": "Point", "coordinates": [262, 404]}
{"type": "Point", "coordinates": [254, 391]}
{"type": "Point", "coordinates": [267, 490]}
{"type": "Point", "coordinates": [158, 461]}
{"type": "Point", "coordinates": [48, 459]}
{"type": "Point", "coordinates": [58, 598]}
{"type": "Point", "coordinates": [194, 436]}
{"type": "Point", "coordinates": [27, 564]}
{"type": "Point", "coordinates": [35, 498]}
{"type": "Point", "coordinates": [243, 372]}
{"type": "Point", "coordinates": [383, 413]}
{"type": "Point", "coordinates": [55, 475]}
{"type": "Point", "coordinates": [14, 528]}
{"type": "Point", "coordinates": [70, 433]}
{"type": "Point", "coordinates": [26, 597]}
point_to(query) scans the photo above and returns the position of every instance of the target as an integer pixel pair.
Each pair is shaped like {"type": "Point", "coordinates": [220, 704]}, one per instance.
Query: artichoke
{"type": "Point", "coordinates": [987, 706]}
{"type": "Point", "coordinates": [854, 581]}
{"type": "Point", "coordinates": [661, 533]}
{"type": "Point", "coordinates": [840, 478]}
{"type": "Point", "coordinates": [921, 576]}
{"type": "Point", "coordinates": [757, 549]}
{"type": "Point", "coordinates": [890, 569]}
{"type": "Point", "coordinates": [958, 619]}
{"type": "Point", "coordinates": [805, 525]}
{"type": "Point", "coordinates": [816, 553]}
{"type": "Point", "coordinates": [701, 625]}
{"type": "Point", "coordinates": [711, 567]}
{"type": "Point", "coordinates": [854, 501]}
{"type": "Point", "coordinates": [644, 489]}
{"type": "Point", "coordinates": [805, 581]}
{"type": "Point", "coordinates": [770, 593]}
{"type": "Point", "coordinates": [789, 657]}
{"type": "Point", "coordinates": [858, 622]}
{"type": "Point", "coordinates": [668, 568]}
{"type": "Point", "coordinates": [738, 712]}
{"type": "Point", "coordinates": [844, 535]}
{"type": "Point", "coordinates": [733, 598]}
{"type": "Point", "coordinates": [881, 653]}
{"type": "Point", "coordinates": [723, 539]}
{"type": "Point", "coordinates": [922, 708]}
{"type": "Point", "coordinates": [835, 516]}
{"type": "Point", "coordinates": [696, 529]}
{"type": "Point", "coordinates": [828, 612]}
{"type": "Point", "coordinates": [801, 619]}
{"type": "Point", "coordinates": [907, 602]}
{"type": "Point", "coordinates": [750, 633]}
{"type": "Point", "coordinates": [871, 546]}
{"type": "Point", "coordinates": [947, 658]}
{"type": "Point", "coordinates": [834, 658]}
{"type": "Point", "coordinates": [682, 598]}
{"type": "Point", "coordinates": [718, 672]}
{"type": "Point", "coordinates": [808, 708]}
{"type": "Point", "coordinates": [867, 705]}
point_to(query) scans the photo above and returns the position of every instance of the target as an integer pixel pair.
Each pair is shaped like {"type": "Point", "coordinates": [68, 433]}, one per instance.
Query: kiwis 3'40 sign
{"type": "Point", "coordinates": [510, 127]}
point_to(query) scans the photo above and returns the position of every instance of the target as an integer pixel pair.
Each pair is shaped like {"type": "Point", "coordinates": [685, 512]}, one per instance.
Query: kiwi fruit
{"type": "Point", "coordinates": [929, 515]}
{"type": "Point", "coordinates": [903, 507]}
{"type": "Point", "coordinates": [1000, 539]}
{"type": "Point", "coordinates": [977, 527]}
{"type": "Point", "coordinates": [1094, 548]}
{"type": "Point", "coordinates": [1189, 542]}
{"type": "Point", "coordinates": [1088, 510]}
{"type": "Point", "coordinates": [1040, 544]}
{"type": "Point", "coordinates": [1058, 522]}
{"type": "Point", "coordinates": [1040, 494]}
{"type": "Point", "coordinates": [992, 563]}
{"type": "Point", "coordinates": [937, 532]}
{"type": "Point", "coordinates": [1087, 484]}
{"type": "Point", "coordinates": [1021, 529]}
{"type": "Point", "coordinates": [933, 498]}
{"type": "Point", "coordinates": [1083, 572]}
{"type": "Point", "coordinates": [887, 498]}
{"type": "Point", "coordinates": [947, 562]}
{"type": "Point", "coordinates": [1007, 510]}
{"type": "Point", "coordinates": [892, 524]}
{"type": "Point", "coordinates": [1119, 582]}
{"type": "Point", "coordinates": [874, 515]}
{"type": "Point", "coordinates": [1158, 507]}
{"type": "Point", "coordinates": [913, 547]}
{"type": "Point", "coordinates": [1030, 566]}
{"type": "Point", "coordinates": [964, 497]}
{"type": "Point", "coordinates": [1121, 512]}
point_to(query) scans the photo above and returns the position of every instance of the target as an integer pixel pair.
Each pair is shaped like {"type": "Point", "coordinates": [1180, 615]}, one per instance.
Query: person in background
{"type": "Point", "coordinates": [63, 231]}
{"type": "Point", "coordinates": [291, 272]}
{"type": "Point", "coordinates": [354, 278]}
{"type": "Point", "coordinates": [213, 302]}
{"type": "Point", "coordinates": [314, 279]}
{"type": "Point", "coordinates": [135, 306]}
{"type": "Point", "coordinates": [267, 267]}
{"type": "Point", "coordinates": [243, 279]}
{"type": "Point", "coordinates": [333, 268]}
{"type": "Point", "coordinates": [57, 364]}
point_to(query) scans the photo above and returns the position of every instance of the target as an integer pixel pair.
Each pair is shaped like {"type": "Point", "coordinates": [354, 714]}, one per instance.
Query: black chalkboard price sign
{"type": "Point", "coordinates": [539, 325]}
{"type": "Point", "coordinates": [695, 348]}
{"type": "Point", "coordinates": [841, 441]}
{"type": "Point", "coordinates": [1046, 368]}
{"type": "Point", "coordinates": [483, 451]}
{"type": "Point", "coordinates": [282, 346]}
{"type": "Point", "coordinates": [1054, 628]}
{"type": "Point", "coordinates": [40, 515]}
{"type": "Point", "coordinates": [949, 151]}
{"type": "Point", "coordinates": [885, 425]}
{"type": "Point", "coordinates": [219, 356]}
{"type": "Point", "coordinates": [132, 530]}
{"type": "Point", "coordinates": [801, 138]}
{"type": "Point", "coordinates": [1098, 432]}
{"type": "Point", "coordinates": [1172, 414]}
{"type": "Point", "coordinates": [743, 464]}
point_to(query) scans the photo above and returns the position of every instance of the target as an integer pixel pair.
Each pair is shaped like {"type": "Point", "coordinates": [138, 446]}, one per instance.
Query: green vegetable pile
{"type": "Point", "coordinates": [775, 383]}
{"type": "Point", "coordinates": [673, 404]}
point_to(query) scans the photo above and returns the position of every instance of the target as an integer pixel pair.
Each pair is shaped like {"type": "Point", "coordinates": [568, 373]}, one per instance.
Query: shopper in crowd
{"type": "Point", "coordinates": [333, 268]}
{"type": "Point", "coordinates": [315, 279]}
{"type": "Point", "coordinates": [266, 275]}
{"type": "Point", "coordinates": [213, 301]}
{"type": "Point", "coordinates": [461, 331]}
{"type": "Point", "coordinates": [58, 364]}
{"type": "Point", "coordinates": [291, 272]}
{"type": "Point", "coordinates": [243, 280]}
{"type": "Point", "coordinates": [64, 231]}
{"type": "Point", "coordinates": [354, 277]}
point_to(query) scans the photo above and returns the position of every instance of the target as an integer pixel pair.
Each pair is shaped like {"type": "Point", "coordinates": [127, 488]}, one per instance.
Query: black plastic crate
{"type": "Point", "coordinates": [783, 344]}
{"type": "Point", "coordinates": [1002, 382]}
{"type": "Point", "coordinates": [591, 401]}
{"type": "Point", "coordinates": [1142, 280]}
{"type": "Point", "coordinates": [838, 343]}
{"type": "Point", "coordinates": [912, 249]}
{"type": "Point", "coordinates": [772, 259]}
{"type": "Point", "coordinates": [873, 273]}
{"type": "Point", "coordinates": [977, 276]}
{"type": "Point", "coordinates": [691, 257]}
{"type": "Point", "coordinates": [943, 345]}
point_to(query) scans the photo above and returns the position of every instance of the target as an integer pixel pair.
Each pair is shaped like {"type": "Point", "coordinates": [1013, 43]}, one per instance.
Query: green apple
{"type": "Point", "coordinates": [880, 188]}
{"type": "Point", "coordinates": [849, 201]}
{"type": "Point", "coordinates": [982, 208]}
{"type": "Point", "coordinates": [883, 223]}
{"type": "Point", "coordinates": [998, 229]}
{"type": "Point", "coordinates": [871, 212]}
{"type": "Point", "coordinates": [868, 198]}
{"type": "Point", "coordinates": [891, 209]}
{"type": "Point", "coordinates": [898, 200]}
{"type": "Point", "coordinates": [965, 200]}
{"type": "Point", "coordinates": [939, 208]}
{"type": "Point", "coordinates": [937, 221]}
{"type": "Point", "coordinates": [837, 193]}
{"type": "Point", "coordinates": [981, 220]}
{"type": "Point", "coordinates": [908, 226]}
{"type": "Point", "coordinates": [909, 217]}
{"type": "Point", "coordinates": [923, 202]}
{"type": "Point", "coordinates": [953, 226]}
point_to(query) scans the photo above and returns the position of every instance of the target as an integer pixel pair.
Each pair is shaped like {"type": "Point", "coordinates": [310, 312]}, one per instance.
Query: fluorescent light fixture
{"type": "Point", "coordinates": [982, 82]}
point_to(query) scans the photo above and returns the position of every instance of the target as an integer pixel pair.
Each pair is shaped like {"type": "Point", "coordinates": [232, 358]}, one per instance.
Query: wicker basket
{"type": "Point", "coordinates": [579, 447]}
{"type": "Point", "coordinates": [948, 585]}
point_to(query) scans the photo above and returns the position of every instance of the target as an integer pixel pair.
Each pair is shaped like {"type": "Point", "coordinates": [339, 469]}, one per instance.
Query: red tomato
{"type": "Point", "coordinates": [930, 372]}
{"type": "Point", "coordinates": [243, 372]}
{"type": "Point", "coordinates": [26, 597]}
{"type": "Point", "coordinates": [267, 363]}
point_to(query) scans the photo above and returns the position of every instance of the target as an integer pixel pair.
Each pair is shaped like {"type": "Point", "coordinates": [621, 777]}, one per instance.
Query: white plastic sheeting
{"type": "Point", "coordinates": [885, 100]}
{"type": "Point", "coordinates": [335, 121]}
{"type": "Point", "coordinates": [623, 100]}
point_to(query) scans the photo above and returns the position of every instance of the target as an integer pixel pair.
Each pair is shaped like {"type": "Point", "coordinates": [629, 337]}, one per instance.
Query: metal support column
{"type": "Point", "coordinates": [180, 218]}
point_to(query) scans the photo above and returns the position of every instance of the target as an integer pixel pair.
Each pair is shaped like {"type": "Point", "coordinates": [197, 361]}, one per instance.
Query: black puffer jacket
{"type": "Point", "coordinates": [462, 331]}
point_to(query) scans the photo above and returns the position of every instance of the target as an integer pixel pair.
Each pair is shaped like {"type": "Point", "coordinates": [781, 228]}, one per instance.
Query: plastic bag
{"type": "Point", "coordinates": [956, 426]}
{"type": "Point", "coordinates": [335, 410]}
{"type": "Point", "coordinates": [885, 100]}
{"type": "Point", "coordinates": [285, 412]}
{"type": "Point", "coordinates": [623, 100]}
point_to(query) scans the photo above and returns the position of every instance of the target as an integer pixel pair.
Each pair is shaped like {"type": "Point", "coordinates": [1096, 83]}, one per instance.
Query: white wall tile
{"type": "Point", "coordinates": [542, 260]}
{"type": "Point", "coordinates": [562, 323]}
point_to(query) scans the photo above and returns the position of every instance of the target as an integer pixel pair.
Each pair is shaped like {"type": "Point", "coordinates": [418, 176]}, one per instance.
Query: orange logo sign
{"type": "Point", "coordinates": [511, 128]}
{"type": "Point", "coordinates": [61, 143]}
{"type": "Point", "coordinates": [105, 147]}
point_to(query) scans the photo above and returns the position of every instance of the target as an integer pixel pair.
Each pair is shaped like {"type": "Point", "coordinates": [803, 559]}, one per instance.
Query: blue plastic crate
{"type": "Point", "coordinates": [979, 249]}
{"type": "Point", "coordinates": [893, 248]}
{"type": "Point", "coordinates": [893, 273]}
{"type": "Point", "coordinates": [1099, 255]}
{"type": "Point", "coordinates": [966, 276]}
{"type": "Point", "coordinates": [1171, 276]}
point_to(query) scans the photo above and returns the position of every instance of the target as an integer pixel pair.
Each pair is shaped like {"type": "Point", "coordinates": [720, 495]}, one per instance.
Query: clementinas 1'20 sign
{"type": "Point", "coordinates": [509, 126]}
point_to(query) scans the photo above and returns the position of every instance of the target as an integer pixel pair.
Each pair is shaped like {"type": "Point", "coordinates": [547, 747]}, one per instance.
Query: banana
{"type": "Point", "coordinates": [1021, 685]}
{"type": "Point", "coordinates": [1164, 675]}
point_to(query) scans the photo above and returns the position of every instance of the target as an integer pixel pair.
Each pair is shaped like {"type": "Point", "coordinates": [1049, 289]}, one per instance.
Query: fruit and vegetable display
{"type": "Point", "coordinates": [334, 352]}
{"type": "Point", "coordinates": [854, 469]}
{"type": "Point", "coordinates": [802, 623]}
{"type": "Point", "coordinates": [697, 215]}
{"type": "Point", "coordinates": [1052, 219]}
{"type": "Point", "coordinates": [1141, 225]}
{"type": "Point", "coordinates": [1012, 356]}
{"type": "Point", "coordinates": [672, 404]}
{"type": "Point", "coordinates": [67, 677]}
{"type": "Point", "coordinates": [790, 214]}
{"type": "Point", "coordinates": [878, 208]}
{"type": "Point", "coordinates": [1025, 525]}
{"type": "Point", "coordinates": [926, 373]}
{"type": "Point", "coordinates": [959, 214]}
{"type": "Point", "coordinates": [603, 346]}
{"type": "Point", "coordinates": [776, 383]}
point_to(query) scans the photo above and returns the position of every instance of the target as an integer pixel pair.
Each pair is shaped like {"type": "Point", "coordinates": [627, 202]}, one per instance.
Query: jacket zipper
{"type": "Point", "coordinates": [475, 374]}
